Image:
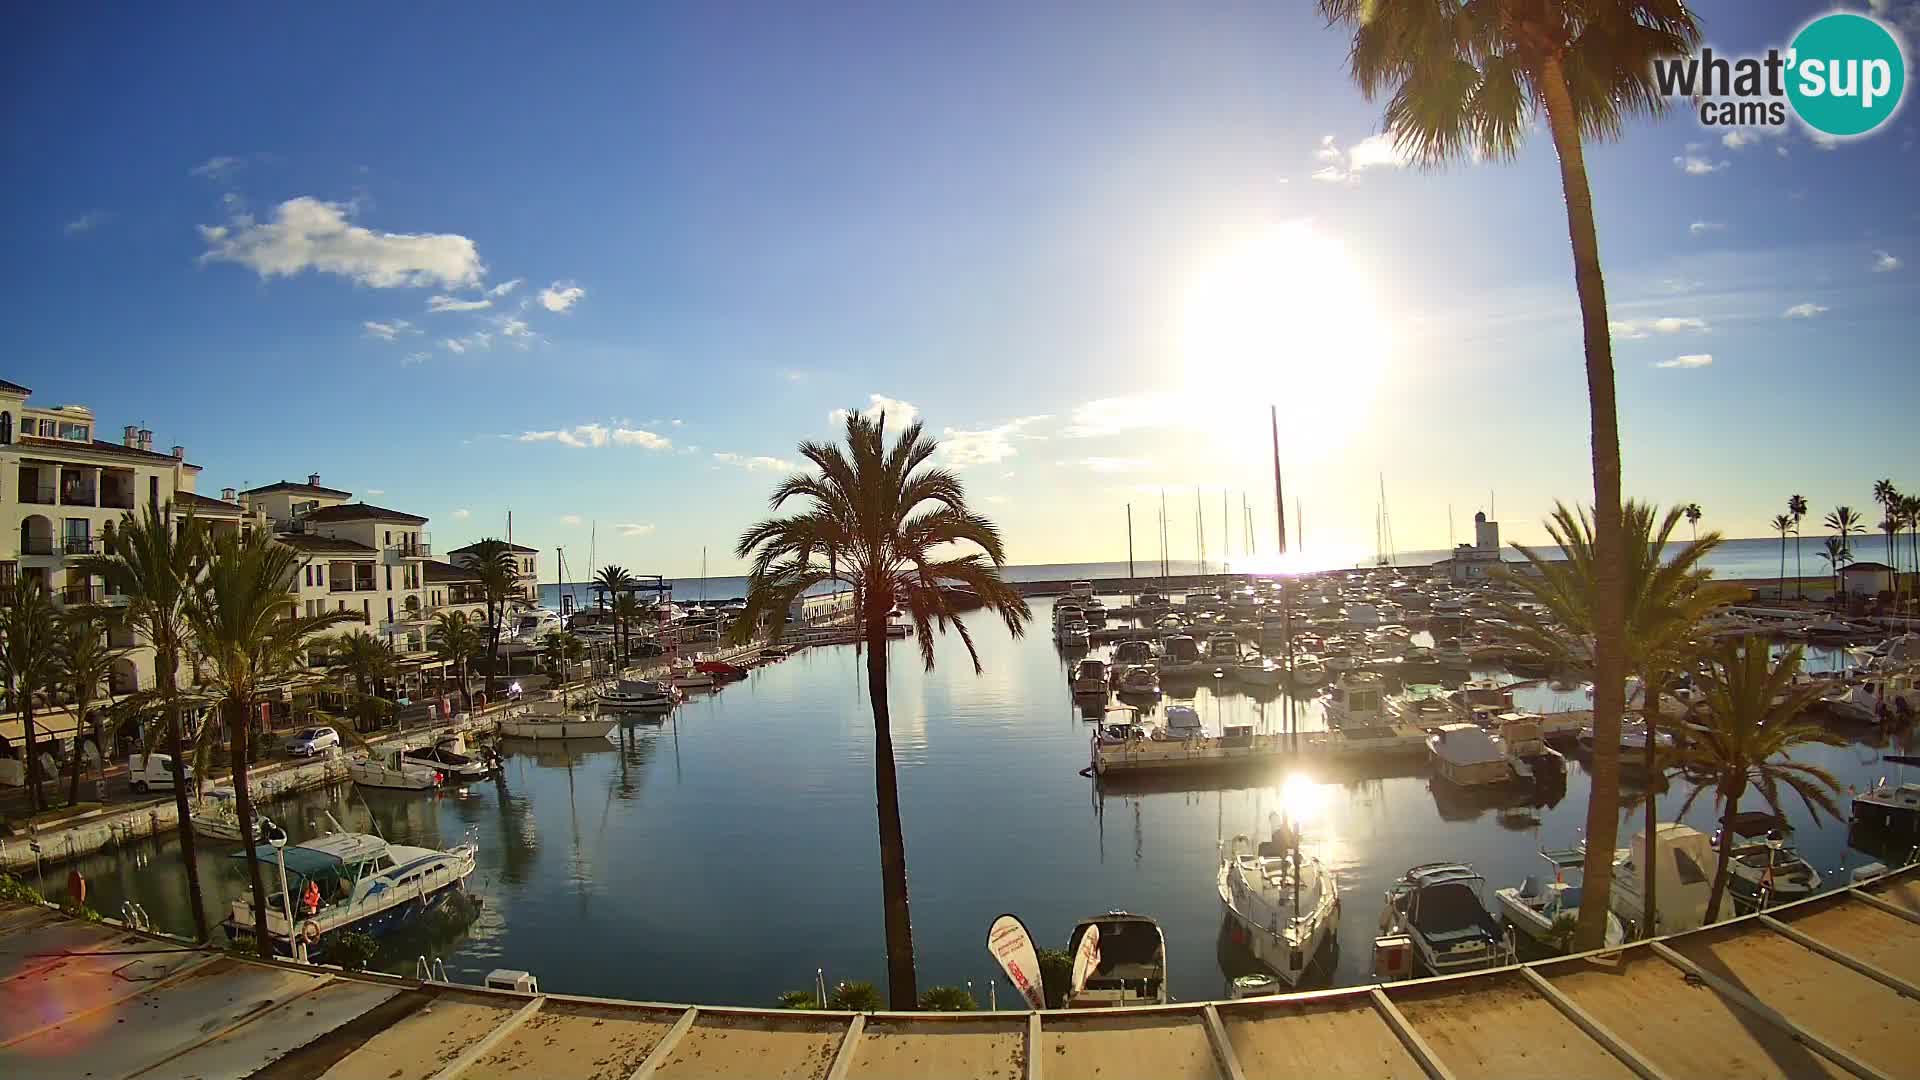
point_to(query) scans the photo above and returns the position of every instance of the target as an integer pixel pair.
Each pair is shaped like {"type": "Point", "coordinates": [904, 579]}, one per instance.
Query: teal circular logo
{"type": "Point", "coordinates": [1846, 74]}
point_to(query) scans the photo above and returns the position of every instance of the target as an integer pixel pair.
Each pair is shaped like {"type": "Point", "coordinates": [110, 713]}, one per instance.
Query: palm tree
{"type": "Point", "coordinates": [628, 612]}
{"type": "Point", "coordinates": [1783, 524]}
{"type": "Point", "coordinates": [1837, 557]}
{"type": "Point", "coordinates": [1693, 519]}
{"type": "Point", "coordinates": [878, 518]}
{"type": "Point", "coordinates": [369, 662]}
{"type": "Point", "coordinates": [1845, 522]}
{"type": "Point", "coordinates": [1465, 81]}
{"type": "Point", "coordinates": [249, 633]}
{"type": "Point", "coordinates": [1666, 603]}
{"type": "Point", "coordinates": [1910, 513]}
{"type": "Point", "coordinates": [29, 636]}
{"type": "Point", "coordinates": [454, 636]}
{"type": "Point", "coordinates": [1750, 713]}
{"type": "Point", "coordinates": [492, 561]}
{"type": "Point", "coordinates": [1797, 506]}
{"type": "Point", "coordinates": [154, 560]}
{"type": "Point", "coordinates": [82, 663]}
{"type": "Point", "coordinates": [1888, 497]}
{"type": "Point", "coordinates": [561, 650]}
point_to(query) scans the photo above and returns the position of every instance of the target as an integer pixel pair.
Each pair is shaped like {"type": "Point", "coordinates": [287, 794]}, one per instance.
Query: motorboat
{"type": "Point", "coordinates": [1096, 611]}
{"type": "Point", "coordinates": [1183, 722]}
{"type": "Point", "coordinates": [1684, 861]}
{"type": "Point", "coordinates": [391, 770]}
{"type": "Point", "coordinates": [1180, 658]}
{"type": "Point", "coordinates": [362, 883]}
{"type": "Point", "coordinates": [1077, 636]}
{"type": "Point", "coordinates": [1763, 869]}
{"type": "Point", "coordinates": [1132, 652]}
{"type": "Point", "coordinates": [532, 624]}
{"type": "Point", "coordinates": [1223, 648]}
{"type": "Point", "coordinates": [1890, 809]}
{"type": "Point", "coordinates": [1633, 742]}
{"type": "Point", "coordinates": [1448, 653]}
{"type": "Point", "coordinates": [1129, 962]}
{"type": "Point", "coordinates": [1438, 905]}
{"type": "Point", "coordinates": [1257, 671]}
{"type": "Point", "coordinates": [447, 757]}
{"type": "Point", "coordinates": [1090, 678]}
{"type": "Point", "coordinates": [637, 695]}
{"type": "Point", "coordinates": [689, 677]}
{"type": "Point", "coordinates": [1355, 699]}
{"type": "Point", "coordinates": [720, 669]}
{"type": "Point", "coordinates": [1542, 909]}
{"type": "Point", "coordinates": [218, 818]}
{"type": "Point", "coordinates": [1308, 672]}
{"type": "Point", "coordinates": [554, 723]}
{"type": "Point", "coordinates": [1522, 736]}
{"type": "Point", "coordinates": [1140, 680]}
{"type": "Point", "coordinates": [1282, 905]}
{"type": "Point", "coordinates": [1467, 756]}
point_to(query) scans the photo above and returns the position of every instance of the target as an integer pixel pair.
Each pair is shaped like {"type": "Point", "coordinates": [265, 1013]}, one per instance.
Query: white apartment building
{"type": "Point", "coordinates": [526, 569]}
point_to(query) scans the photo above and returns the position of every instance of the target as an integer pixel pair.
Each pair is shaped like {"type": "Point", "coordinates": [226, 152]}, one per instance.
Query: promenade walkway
{"type": "Point", "coordinates": [1828, 987]}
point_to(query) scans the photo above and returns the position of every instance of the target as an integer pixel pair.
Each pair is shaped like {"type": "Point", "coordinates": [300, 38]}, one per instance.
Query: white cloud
{"type": "Point", "coordinates": [1692, 361]}
{"type": "Point", "coordinates": [308, 234]}
{"type": "Point", "coordinates": [453, 345]}
{"type": "Point", "coordinates": [1782, 151]}
{"type": "Point", "coordinates": [1823, 140]}
{"type": "Point", "coordinates": [1110, 464]}
{"type": "Point", "coordinates": [1328, 151]}
{"type": "Point", "coordinates": [963, 448]}
{"type": "Point", "coordinates": [994, 499]}
{"type": "Point", "coordinates": [1634, 329]}
{"type": "Point", "coordinates": [572, 519]}
{"type": "Point", "coordinates": [1332, 174]}
{"type": "Point", "coordinates": [462, 514]}
{"type": "Point", "coordinates": [1345, 166]}
{"type": "Point", "coordinates": [1695, 165]}
{"type": "Point", "coordinates": [1133, 412]}
{"type": "Point", "coordinates": [517, 329]}
{"type": "Point", "coordinates": [413, 358]}
{"type": "Point", "coordinates": [387, 331]}
{"type": "Point", "coordinates": [375, 491]}
{"type": "Point", "coordinates": [899, 413]}
{"type": "Point", "coordinates": [1805, 311]}
{"type": "Point", "coordinates": [633, 529]}
{"type": "Point", "coordinates": [1702, 228]}
{"type": "Point", "coordinates": [479, 339]}
{"type": "Point", "coordinates": [583, 436]}
{"type": "Point", "coordinates": [756, 464]}
{"type": "Point", "coordinates": [86, 222]}
{"type": "Point", "coordinates": [561, 296]}
{"type": "Point", "coordinates": [506, 287]}
{"type": "Point", "coordinates": [216, 168]}
{"type": "Point", "coordinates": [1884, 263]}
{"type": "Point", "coordinates": [1741, 137]}
{"type": "Point", "coordinates": [453, 303]}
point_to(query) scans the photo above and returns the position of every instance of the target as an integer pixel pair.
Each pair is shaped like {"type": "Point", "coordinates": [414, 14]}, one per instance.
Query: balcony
{"type": "Point", "coordinates": [81, 594]}
{"type": "Point", "coordinates": [80, 545]}
{"type": "Point", "coordinates": [335, 585]}
{"type": "Point", "coordinates": [419, 549]}
{"type": "Point", "coordinates": [78, 495]}
{"type": "Point", "coordinates": [38, 545]}
{"type": "Point", "coordinates": [40, 494]}
{"type": "Point", "coordinates": [117, 500]}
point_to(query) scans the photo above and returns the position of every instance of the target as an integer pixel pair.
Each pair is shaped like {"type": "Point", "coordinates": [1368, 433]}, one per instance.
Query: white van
{"type": "Point", "coordinates": [154, 772]}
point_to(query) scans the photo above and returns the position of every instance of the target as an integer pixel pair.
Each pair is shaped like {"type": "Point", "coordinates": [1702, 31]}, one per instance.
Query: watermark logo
{"type": "Point", "coordinates": [1843, 76]}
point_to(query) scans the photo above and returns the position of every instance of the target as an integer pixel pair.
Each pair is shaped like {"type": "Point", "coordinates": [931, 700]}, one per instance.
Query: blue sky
{"type": "Point", "coordinates": [1087, 243]}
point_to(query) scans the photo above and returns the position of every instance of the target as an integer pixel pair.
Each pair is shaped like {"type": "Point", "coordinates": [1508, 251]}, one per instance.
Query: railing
{"type": "Point", "coordinates": [336, 585]}
{"type": "Point", "coordinates": [80, 545]}
{"type": "Point", "coordinates": [117, 500]}
{"type": "Point", "coordinates": [41, 494]}
{"type": "Point", "coordinates": [79, 594]}
{"type": "Point", "coordinates": [78, 496]}
{"type": "Point", "coordinates": [419, 549]}
{"type": "Point", "coordinates": [38, 545]}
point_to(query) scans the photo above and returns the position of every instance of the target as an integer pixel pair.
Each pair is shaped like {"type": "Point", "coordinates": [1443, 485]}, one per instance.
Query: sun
{"type": "Point", "coordinates": [1285, 317]}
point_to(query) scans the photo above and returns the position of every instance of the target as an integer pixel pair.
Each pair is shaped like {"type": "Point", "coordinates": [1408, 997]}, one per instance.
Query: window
{"type": "Point", "coordinates": [389, 579]}
{"type": "Point", "coordinates": [6, 427]}
{"type": "Point", "coordinates": [76, 432]}
{"type": "Point", "coordinates": [389, 609]}
{"type": "Point", "coordinates": [343, 605]}
{"type": "Point", "coordinates": [309, 569]}
{"type": "Point", "coordinates": [389, 538]}
{"type": "Point", "coordinates": [153, 492]}
{"type": "Point", "coordinates": [366, 610]}
{"type": "Point", "coordinates": [320, 575]}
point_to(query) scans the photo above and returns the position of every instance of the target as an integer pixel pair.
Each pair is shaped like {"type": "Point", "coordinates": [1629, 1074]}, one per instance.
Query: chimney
{"type": "Point", "coordinates": [131, 436]}
{"type": "Point", "coordinates": [313, 479]}
{"type": "Point", "coordinates": [228, 495]}
{"type": "Point", "coordinates": [146, 439]}
{"type": "Point", "coordinates": [179, 453]}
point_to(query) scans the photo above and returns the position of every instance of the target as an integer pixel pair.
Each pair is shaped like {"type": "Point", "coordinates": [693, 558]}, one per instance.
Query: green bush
{"type": "Point", "coordinates": [1056, 971]}
{"type": "Point", "coordinates": [854, 997]}
{"type": "Point", "coordinates": [799, 999]}
{"type": "Point", "coordinates": [352, 950]}
{"type": "Point", "coordinates": [947, 999]}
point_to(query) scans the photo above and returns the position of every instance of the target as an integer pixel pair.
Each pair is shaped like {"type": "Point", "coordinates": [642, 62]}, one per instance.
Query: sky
{"type": "Point", "coordinates": [606, 268]}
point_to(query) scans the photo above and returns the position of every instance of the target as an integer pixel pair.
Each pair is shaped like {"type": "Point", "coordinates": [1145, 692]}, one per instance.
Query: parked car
{"type": "Point", "coordinates": [314, 740]}
{"type": "Point", "coordinates": [154, 772]}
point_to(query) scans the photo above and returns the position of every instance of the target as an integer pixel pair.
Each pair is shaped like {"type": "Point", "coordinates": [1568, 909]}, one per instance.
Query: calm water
{"type": "Point", "coordinates": [725, 855]}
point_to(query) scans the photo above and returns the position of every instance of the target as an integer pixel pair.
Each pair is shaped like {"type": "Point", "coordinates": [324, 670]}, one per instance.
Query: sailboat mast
{"type": "Point", "coordinates": [1163, 533]}
{"type": "Point", "coordinates": [1279, 491]}
{"type": "Point", "coordinates": [1200, 531]}
{"type": "Point", "coordinates": [1226, 535]}
{"type": "Point", "coordinates": [1129, 541]}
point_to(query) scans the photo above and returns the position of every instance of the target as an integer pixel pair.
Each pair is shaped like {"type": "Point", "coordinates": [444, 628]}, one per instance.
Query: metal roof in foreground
{"type": "Point", "coordinates": [1828, 987]}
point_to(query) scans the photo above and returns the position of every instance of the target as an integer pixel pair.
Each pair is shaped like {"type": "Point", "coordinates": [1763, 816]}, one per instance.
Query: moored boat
{"type": "Point", "coordinates": [1438, 906]}
{"type": "Point", "coordinates": [637, 695]}
{"type": "Point", "coordinates": [542, 724]}
{"type": "Point", "coordinates": [391, 770]}
{"type": "Point", "coordinates": [1282, 905]}
{"type": "Point", "coordinates": [1543, 910]}
{"type": "Point", "coordinates": [446, 756]}
{"type": "Point", "coordinates": [1128, 963]}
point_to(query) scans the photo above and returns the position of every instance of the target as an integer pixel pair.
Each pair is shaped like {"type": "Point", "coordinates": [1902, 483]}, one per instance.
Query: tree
{"type": "Point", "coordinates": [493, 562]}
{"type": "Point", "coordinates": [948, 999]}
{"type": "Point", "coordinates": [561, 651]}
{"type": "Point", "coordinates": [29, 635]}
{"type": "Point", "coordinates": [880, 519]}
{"type": "Point", "coordinates": [1465, 82]}
{"type": "Point", "coordinates": [455, 637]}
{"type": "Point", "coordinates": [249, 634]}
{"type": "Point", "coordinates": [368, 661]}
{"type": "Point", "coordinates": [629, 612]}
{"type": "Point", "coordinates": [1783, 524]}
{"type": "Point", "coordinates": [1844, 522]}
{"type": "Point", "coordinates": [1888, 497]}
{"type": "Point", "coordinates": [1837, 557]}
{"type": "Point", "coordinates": [1797, 506]}
{"type": "Point", "coordinates": [1749, 717]}
{"type": "Point", "coordinates": [1693, 519]}
{"type": "Point", "coordinates": [1910, 514]}
{"type": "Point", "coordinates": [155, 561]}
{"type": "Point", "coordinates": [610, 584]}
{"type": "Point", "coordinates": [1666, 603]}
{"type": "Point", "coordinates": [82, 664]}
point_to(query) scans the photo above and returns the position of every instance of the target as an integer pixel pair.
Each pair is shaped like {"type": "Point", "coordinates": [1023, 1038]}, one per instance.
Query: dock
{"type": "Point", "coordinates": [1382, 743]}
{"type": "Point", "coordinates": [1826, 987]}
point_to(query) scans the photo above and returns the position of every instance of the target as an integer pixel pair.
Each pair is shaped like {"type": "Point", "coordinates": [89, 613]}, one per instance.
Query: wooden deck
{"type": "Point", "coordinates": [1823, 988]}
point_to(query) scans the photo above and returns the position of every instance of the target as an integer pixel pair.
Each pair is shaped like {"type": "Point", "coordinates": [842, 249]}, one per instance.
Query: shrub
{"type": "Point", "coordinates": [947, 999]}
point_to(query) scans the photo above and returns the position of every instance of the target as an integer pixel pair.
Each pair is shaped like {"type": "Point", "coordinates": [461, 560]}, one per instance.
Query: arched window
{"type": "Point", "coordinates": [6, 428]}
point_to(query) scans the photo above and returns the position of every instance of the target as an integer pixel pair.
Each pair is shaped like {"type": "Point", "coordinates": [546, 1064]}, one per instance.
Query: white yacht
{"type": "Point", "coordinates": [448, 756]}
{"type": "Point", "coordinates": [1282, 904]}
{"type": "Point", "coordinates": [1685, 862]}
{"type": "Point", "coordinates": [1129, 965]}
{"type": "Point", "coordinates": [1467, 756]}
{"type": "Point", "coordinates": [553, 722]}
{"type": "Point", "coordinates": [390, 769]}
{"type": "Point", "coordinates": [1257, 671]}
{"type": "Point", "coordinates": [1183, 722]}
{"type": "Point", "coordinates": [1140, 680]}
{"type": "Point", "coordinates": [1180, 657]}
{"type": "Point", "coordinates": [1090, 679]}
{"type": "Point", "coordinates": [637, 695]}
{"type": "Point", "coordinates": [1535, 906]}
{"type": "Point", "coordinates": [363, 884]}
{"type": "Point", "coordinates": [1223, 648]}
{"type": "Point", "coordinates": [1355, 699]}
{"type": "Point", "coordinates": [1439, 906]}
{"type": "Point", "coordinates": [532, 624]}
{"type": "Point", "coordinates": [1448, 653]}
{"type": "Point", "coordinates": [1891, 809]}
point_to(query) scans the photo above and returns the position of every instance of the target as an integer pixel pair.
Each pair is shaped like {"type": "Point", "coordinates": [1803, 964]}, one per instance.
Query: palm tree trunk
{"type": "Point", "coordinates": [902, 993]}
{"type": "Point", "coordinates": [1783, 566]}
{"type": "Point", "coordinates": [1610, 617]}
{"type": "Point", "coordinates": [1721, 858]}
{"type": "Point", "coordinates": [167, 665]}
{"type": "Point", "coordinates": [36, 799]}
{"type": "Point", "coordinates": [1650, 712]}
{"type": "Point", "coordinates": [1798, 569]}
{"type": "Point", "coordinates": [238, 729]}
{"type": "Point", "coordinates": [73, 772]}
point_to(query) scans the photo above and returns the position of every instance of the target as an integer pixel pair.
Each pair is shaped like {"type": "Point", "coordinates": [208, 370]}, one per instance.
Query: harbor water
{"type": "Point", "coordinates": [724, 855]}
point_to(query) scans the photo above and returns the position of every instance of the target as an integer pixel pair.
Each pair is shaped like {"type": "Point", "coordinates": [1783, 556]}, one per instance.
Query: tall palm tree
{"type": "Point", "coordinates": [493, 562]}
{"type": "Point", "coordinates": [1837, 557]}
{"type": "Point", "coordinates": [1667, 600]}
{"type": "Point", "coordinates": [1888, 497]}
{"type": "Point", "coordinates": [455, 637]}
{"type": "Point", "coordinates": [1748, 728]}
{"type": "Point", "coordinates": [1845, 522]}
{"type": "Point", "coordinates": [155, 560]}
{"type": "Point", "coordinates": [610, 582]}
{"type": "Point", "coordinates": [29, 636]}
{"type": "Point", "coordinates": [249, 634]}
{"type": "Point", "coordinates": [877, 517]}
{"type": "Point", "coordinates": [1693, 519]}
{"type": "Point", "coordinates": [1465, 81]}
{"type": "Point", "coordinates": [1910, 513]}
{"type": "Point", "coordinates": [561, 650]}
{"type": "Point", "coordinates": [1783, 524]}
{"type": "Point", "coordinates": [1797, 506]}
{"type": "Point", "coordinates": [628, 612]}
{"type": "Point", "coordinates": [369, 662]}
{"type": "Point", "coordinates": [82, 663]}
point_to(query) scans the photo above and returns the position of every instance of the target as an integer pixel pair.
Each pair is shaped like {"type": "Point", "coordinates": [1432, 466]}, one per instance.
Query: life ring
{"type": "Point", "coordinates": [311, 933]}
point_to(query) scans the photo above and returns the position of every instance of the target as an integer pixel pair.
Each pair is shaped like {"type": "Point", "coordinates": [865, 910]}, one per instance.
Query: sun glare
{"type": "Point", "coordinates": [1286, 318]}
